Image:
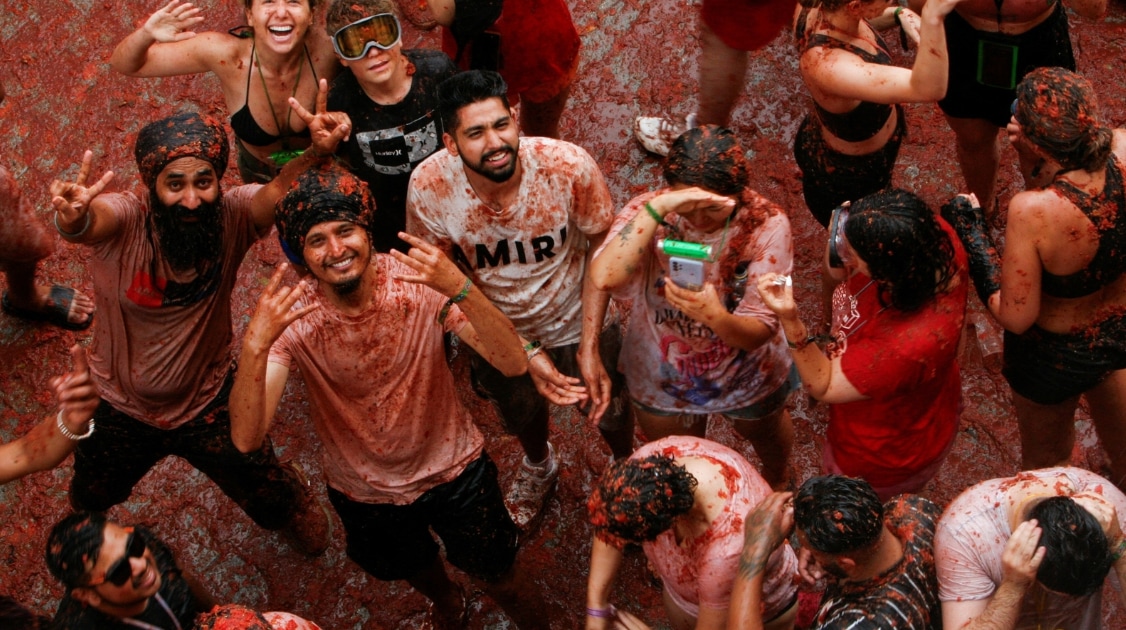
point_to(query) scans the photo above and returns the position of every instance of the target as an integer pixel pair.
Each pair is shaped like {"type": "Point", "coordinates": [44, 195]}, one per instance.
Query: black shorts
{"type": "Point", "coordinates": [519, 403]}
{"type": "Point", "coordinates": [830, 178]}
{"type": "Point", "coordinates": [393, 542]}
{"type": "Point", "coordinates": [1047, 44]}
{"type": "Point", "coordinates": [1049, 368]}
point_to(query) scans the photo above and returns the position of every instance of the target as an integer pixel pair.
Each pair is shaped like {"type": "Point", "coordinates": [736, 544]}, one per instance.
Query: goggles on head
{"type": "Point", "coordinates": [354, 41]}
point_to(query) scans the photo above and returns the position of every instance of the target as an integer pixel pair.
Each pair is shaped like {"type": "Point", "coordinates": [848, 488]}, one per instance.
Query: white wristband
{"type": "Point", "coordinates": [67, 432]}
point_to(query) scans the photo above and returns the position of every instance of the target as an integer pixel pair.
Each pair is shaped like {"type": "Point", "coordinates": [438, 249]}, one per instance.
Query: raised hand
{"type": "Point", "coordinates": [173, 22]}
{"type": "Point", "coordinates": [275, 311]}
{"type": "Point", "coordinates": [1022, 556]}
{"type": "Point", "coordinates": [778, 294]}
{"type": "Point", "coordinates": [434, 268]}
{"type": "Point", "coordinates": [72, 200]}
{"type": "Point", "coordinates": [78, 399]}
{"type": "Point", "coordinates": [326, 129]}
{"type": "Point", "coordinates": [555, 386]}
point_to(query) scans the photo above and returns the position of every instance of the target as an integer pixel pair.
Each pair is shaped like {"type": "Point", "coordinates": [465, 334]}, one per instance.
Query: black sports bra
{"type": "Point", "coordinates": [247, 129]}
{"type": "Point", "coordinates": [1104, 210]}
{"type": "Point", "coordinates": [866, 119]}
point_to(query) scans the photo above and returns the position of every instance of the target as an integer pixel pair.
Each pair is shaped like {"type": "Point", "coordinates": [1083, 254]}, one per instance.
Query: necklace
{"type": "Point", "coordinates": [270, 101]}
{"type": "Point", "coordinates": [148, 626]}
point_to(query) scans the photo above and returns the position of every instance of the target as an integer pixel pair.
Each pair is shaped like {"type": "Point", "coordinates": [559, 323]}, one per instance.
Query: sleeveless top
{"type": "Point", "coordinates": [247, 129]}
{"type": "Point", "coordinates": [866, 119]}
{"type": "Point", "coordinates": [1104, 212]}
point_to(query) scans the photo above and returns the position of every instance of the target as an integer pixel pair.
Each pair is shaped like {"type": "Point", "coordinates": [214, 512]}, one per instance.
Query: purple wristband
{"type": "Point", "coordinates": [601, 613]}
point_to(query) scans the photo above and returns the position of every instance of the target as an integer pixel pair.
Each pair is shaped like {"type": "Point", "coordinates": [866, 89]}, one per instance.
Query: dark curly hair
{"type": "Point", "coordinates": [909, 255]}
{"type": "Point", "coordinates": [1058, 112]}
{"type": "Point", "coordinates": [73, 544]}
{"type": "Point", "coordinates": [1077, 556]}
{"type": "Point", "coordinates": [467, 88]}
{"type": "Point", "coordinates": [638, 499]}
{"type": "Point", "coordinates": [838, 514]}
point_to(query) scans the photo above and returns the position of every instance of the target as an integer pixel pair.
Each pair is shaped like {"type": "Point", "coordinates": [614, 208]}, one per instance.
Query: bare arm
{"type": "Point", "coordinates": [822, 377]}
{"type": "Point", "coordinates": [488, 332]}
{"type": "Point", "coordinates": [258, 383]}
{"type": "Point", "coordinates": [604, 562]}
{"type": "Point", "coordinates": [80, 217]}
{"type": "Point", "coordinates": [766, 528]}
{"type": "Point", "coordinates": [1090, 9]}
{"type": "Point", "coordinates": [44, 446]}
{"type": "Point", "coordinates": [1017, 304]}
{"type": "Point", "coordinates": [1020, 561]}
{"type": "Point", "coordinates": [836, 73]}
{"type": "Point", "coordinates": [594, 302]}
{"type": "Point", "coordinates": [166, 46]}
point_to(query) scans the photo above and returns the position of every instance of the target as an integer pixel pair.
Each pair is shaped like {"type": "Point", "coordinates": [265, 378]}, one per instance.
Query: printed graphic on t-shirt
{"type": "Point", "coordinates": [397, 150]}
{"type": "Point", "coordinates": [506, 251]}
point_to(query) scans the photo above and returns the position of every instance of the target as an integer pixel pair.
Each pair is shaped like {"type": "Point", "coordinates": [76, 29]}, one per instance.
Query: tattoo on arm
{"type": "Point", "coordinates": [750, 564]}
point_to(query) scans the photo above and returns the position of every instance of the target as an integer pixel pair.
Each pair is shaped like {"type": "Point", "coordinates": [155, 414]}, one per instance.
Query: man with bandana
{"type": "Point", "coordinates": [161, 359]}
{"type": "Point", "coordinates": [401, 454]}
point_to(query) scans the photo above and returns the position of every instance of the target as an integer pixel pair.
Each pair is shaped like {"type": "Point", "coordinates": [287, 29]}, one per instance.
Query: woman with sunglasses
{"type": "Point", "coordinates": [714, 348]}
{"type": "Point", "coordinates": [888, 370]}
{"type": "Point", "coordinates": [259, 68]}
{"type": "Point", "coordinates": [390, 95]}
{"type": "Point", "coordinates": [1060, 289]}
{"type": "Point", "coordinates": [847, 145]}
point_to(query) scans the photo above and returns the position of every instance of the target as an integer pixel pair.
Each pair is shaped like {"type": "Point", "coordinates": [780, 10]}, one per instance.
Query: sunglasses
{"type": "Point", "coordinates": [1013, 109]}
{"type": "Point", "coordinates": [355, 40]}
{"type": "Point", "coordinates": [121, 571]}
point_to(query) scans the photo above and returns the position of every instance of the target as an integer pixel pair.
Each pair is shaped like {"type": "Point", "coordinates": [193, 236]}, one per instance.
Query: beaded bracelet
{"type": "Point", "coordinates": [67, 432]}
{"type": "Point", "coordinates": [72, 234]}
{"type": "Point", "coordinates": [454, 300]}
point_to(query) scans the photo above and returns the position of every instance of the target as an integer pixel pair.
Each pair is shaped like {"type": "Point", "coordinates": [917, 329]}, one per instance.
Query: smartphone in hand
{"type": "Point", "coordinates": [687, 273]}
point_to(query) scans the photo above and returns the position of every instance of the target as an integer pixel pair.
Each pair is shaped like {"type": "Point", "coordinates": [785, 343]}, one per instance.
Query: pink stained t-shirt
{"type": "Point", "coordinates": [530, 258]}
{"type": "Point", "coordinates": [905, 362]}
{"type": "Point", "coordinates": [702, 573]}
{"type": "Point", "coordinates": [287, 621]}
{"type": "Point", "coordinates": [975, 528]}
{"type": "Point", "coordinates": [674, 363]}
{"type": "Point", "coordinates": [162, 343]}
{"type": "Point", "coordinates": [381, 395]}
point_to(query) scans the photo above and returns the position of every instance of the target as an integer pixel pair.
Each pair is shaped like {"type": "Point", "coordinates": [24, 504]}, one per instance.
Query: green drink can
{"type": "Point", "coordinates": [684, 249]}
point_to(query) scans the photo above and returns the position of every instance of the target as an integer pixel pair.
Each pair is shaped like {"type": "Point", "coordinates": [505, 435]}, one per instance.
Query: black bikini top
{"type": "Point", "coordinates": [247, 129]}
{"type": "Point", "coordinates": [1104, 211]}
{"type": "Point", "coordinates": [866, 119]}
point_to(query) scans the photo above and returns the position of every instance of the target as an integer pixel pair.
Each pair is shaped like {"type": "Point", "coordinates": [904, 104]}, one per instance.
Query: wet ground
{"type": "Point", "coordinates": [638, 58]}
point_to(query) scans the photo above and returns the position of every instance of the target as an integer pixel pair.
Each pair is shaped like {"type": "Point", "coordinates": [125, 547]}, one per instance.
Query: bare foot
{"type": "Point", "coordinates": [46, 305]}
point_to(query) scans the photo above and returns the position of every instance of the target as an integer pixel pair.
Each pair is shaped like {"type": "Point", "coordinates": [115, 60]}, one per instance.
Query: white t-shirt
{"type": "Point", "coordinates": [529, 259]}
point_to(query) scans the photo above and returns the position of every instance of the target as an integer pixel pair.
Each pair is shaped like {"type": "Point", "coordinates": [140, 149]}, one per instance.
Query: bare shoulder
{"type": "Point", "coordinates": [1118, 145]}
{"type": "Point", "coordinates": [224, 53]}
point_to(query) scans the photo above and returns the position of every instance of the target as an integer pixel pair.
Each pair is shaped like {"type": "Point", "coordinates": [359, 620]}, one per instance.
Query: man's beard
{"type": "Point", "coordinates": [188, 245]}
{"type": "Point", "coordinates": [497, 175]}
{"type": "Point", "coordinates": [347, 287]}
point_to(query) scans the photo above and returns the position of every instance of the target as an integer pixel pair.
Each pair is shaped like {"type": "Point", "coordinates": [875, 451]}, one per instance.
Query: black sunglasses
{"type": "Point", "coordinates": [119, 572]}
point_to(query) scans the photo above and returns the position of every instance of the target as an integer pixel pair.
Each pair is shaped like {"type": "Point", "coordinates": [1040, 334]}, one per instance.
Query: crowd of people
{"type": "Point", "coordinates": [422, 216]}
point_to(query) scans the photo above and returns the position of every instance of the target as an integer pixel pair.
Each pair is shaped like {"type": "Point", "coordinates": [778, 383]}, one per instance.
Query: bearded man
{"type": "Point", "coordinates": [161, 358]}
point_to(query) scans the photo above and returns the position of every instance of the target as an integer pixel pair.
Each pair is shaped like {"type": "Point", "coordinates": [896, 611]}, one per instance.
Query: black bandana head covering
{"type": "Point", "coordinates": [319, 195]}
{"type": "Point", "coordinates": [186, 134]}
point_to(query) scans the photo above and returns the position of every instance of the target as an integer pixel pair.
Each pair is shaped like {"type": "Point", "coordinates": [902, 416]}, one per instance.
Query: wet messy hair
{"type": "Point", "coordinates": [909, 255]}
{"type": "Point", "coordinates": [638, 499]}
{"type": "Point", "coordinates": [74, 543]}
{"type": "Point", "coordinates": [829, 5]}
{"type": "Point", "coordinates": [708, 156]}
{"type": "Point", "coordinates": [838, 514]}
{"type": "Point", "coordinates": [14, 616]}
{"type": "Point", "coordinates": [467, 88]}
{"type": "Point", "coordinates": [341, 13]}
{"type": "Point", "coordinates": [1077, 556]}
{"type": "Point", "coordinates": [1058, 112]}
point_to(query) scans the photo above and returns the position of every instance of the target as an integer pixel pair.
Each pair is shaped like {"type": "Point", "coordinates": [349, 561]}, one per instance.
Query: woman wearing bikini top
{"type": "Point", "coordinates": [847, 146]}
{"type": "Point", "coordinates": [259, 67]}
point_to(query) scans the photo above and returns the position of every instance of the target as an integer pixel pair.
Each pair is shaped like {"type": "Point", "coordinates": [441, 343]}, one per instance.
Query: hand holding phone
{"type": "Point", "coordinates": [687, 273]}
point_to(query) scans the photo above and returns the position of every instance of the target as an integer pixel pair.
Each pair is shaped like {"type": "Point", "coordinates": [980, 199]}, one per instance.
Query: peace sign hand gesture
{"type": "Point", "coordinates": [326, 129]}
{"type": "Point", "coordinates": [72, 201]}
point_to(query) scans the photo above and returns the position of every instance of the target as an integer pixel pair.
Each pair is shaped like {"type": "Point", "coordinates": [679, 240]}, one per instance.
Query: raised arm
{"type": "Point", "coordinates": [836, 73]}
{"type": "Point", "coordinates": [1019, 562]}
{"type": "Point", "coordinates": [821, 376]}
{"type": "Point", "coordinates": [327, 130]}
{"type": "Point", "coordinates": [166, 46]}
{"type": "Point", "coordinates": [80, 217]}
{"type": "Point", "coordinates": [488, 331]}
{"type": "Point", "coordinates": [766, 528]}
{"type": "Point", "coordinates": [259, 384]}
{"type": "Point", "coordinates": [44, 446]}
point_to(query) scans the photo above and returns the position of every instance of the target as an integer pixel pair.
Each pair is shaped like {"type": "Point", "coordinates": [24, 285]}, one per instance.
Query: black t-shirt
{"type": "Point", "coordinates": [905, 597]}
{"type": "Point", "coordinates": [389, 141]}
{"type": "Point", "coordinates": [74, 615]}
